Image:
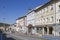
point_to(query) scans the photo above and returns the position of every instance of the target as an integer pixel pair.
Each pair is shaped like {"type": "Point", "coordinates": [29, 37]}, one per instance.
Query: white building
{"type": "Point", "coordinates": [21, 23]}
{"type": "Point", "coordinates": [48, 18]}
{"type": "Point", "coordinates": [31, 21]}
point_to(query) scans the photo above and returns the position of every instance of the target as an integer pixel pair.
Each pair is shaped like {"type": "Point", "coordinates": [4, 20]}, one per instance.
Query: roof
{"type": "Point", "coordinates": [30, 11]}
{"type": "Point", "coordinates": [20, 17]}
{"type": "Point", "coordinates": [36, 8]}
{"type": "Point", "coordinates": [42, 6]}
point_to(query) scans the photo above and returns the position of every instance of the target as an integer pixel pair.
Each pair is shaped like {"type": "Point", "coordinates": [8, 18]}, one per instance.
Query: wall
{"type": "Point", "coordinates": [31, 18]}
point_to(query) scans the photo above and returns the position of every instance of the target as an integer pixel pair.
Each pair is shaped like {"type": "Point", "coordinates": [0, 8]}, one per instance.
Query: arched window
{"type": "Point", "coordinates": [59, 7]}
{"type": "Point", "coordinates": [52, 18]}
{"type": "Point", "coordinates": [59, 20]}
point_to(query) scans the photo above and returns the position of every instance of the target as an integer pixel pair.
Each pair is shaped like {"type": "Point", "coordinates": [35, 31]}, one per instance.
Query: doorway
{"type": "Point", "coordinates": [50, 30]}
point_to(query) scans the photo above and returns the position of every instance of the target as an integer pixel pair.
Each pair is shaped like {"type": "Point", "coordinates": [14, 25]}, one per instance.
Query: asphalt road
{"type": "Point", "coordinates": [18, 36]}
{"type": "Point", "coordinates": [22, 37]}
{"type": "Point", "coordinates": [4, 37]}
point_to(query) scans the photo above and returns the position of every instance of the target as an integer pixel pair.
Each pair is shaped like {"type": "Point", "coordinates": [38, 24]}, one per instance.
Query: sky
{"type": "Point", "coordinates": [13, 9]}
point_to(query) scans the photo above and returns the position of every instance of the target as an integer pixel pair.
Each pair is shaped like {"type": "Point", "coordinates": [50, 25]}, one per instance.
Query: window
{"type": "Point", "coordinates": [59, 6]}
{"type": "Point", "coordinates": [51, 7]}
{"type": "Point", "coordinates": [59, 32]}
{"type": "Point", "coordinates": [43, 10]}
{"type": "Point", "coordinates": [40, 11]}
{"type": "Point", "coordinates": [46, 9]}
{"type": "Point", "coordinates": [47, 19]}
{"type": "Point", "coordinates": [43, 19]}
{"type": "Point", "coordinates": [33, 28]}
{"type": "Point", "coordinates": [52, 18]}
{"type": "Point", "coordinates": [59, 20]}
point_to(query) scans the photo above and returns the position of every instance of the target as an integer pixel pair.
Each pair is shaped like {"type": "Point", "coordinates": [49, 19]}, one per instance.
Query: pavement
{"type": "Point", "coordinates": [51, 37]}
{"type": "Point", "coordinates": [21, 36]}
{"type": "Point", "coordinates": [3, 36]}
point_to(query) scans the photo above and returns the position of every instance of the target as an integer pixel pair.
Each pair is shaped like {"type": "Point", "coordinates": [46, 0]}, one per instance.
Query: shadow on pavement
{"type": "Point", "coordinates": [4, 37]}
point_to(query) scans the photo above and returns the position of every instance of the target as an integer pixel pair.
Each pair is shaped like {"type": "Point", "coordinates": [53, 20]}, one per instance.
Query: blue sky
{"type": "Point", "coordinates": [17, 8]}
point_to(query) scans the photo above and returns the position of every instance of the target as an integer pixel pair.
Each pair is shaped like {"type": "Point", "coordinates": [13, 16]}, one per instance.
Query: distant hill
{"type": "Point", "coordinates": [4, 24]}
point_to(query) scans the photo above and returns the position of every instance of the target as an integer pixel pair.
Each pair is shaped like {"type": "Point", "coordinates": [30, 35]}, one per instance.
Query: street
{"type": "Point", "coordinates": [23, 37]}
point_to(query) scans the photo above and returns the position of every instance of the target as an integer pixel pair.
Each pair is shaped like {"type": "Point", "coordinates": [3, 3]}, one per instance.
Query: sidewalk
{"type": "Point", "coordinates": [28, 35]}
{"type": "Point", "coordinates": [36, 36]}
{"type": "Point", "coordinates": [24, 36]}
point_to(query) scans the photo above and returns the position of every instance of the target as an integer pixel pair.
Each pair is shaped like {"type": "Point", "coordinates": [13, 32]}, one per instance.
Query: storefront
{"type": "Point", "coordinates": [44, 30]}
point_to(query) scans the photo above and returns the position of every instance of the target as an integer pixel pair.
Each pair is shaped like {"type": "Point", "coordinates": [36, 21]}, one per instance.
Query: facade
{"type": "Point", "coordinates": [43, 20]}
{"type": "Point", "coordinates": [47, 18]}
{"type": "Point", "coordinates": [21, 23]}
{"type": "Point", "coordinates": [31, 21]}
{"type": "Point", "coordinates": [2, 28]}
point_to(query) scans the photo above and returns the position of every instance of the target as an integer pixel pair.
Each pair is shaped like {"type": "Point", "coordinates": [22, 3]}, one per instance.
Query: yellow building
{"type": "Point", "coordinates": [47, 17]}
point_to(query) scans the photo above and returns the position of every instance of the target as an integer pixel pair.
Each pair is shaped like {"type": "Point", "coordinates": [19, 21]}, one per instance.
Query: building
{"type": "Point", "coordinates": [47, 18]}
{"type": "Point", "coordinates": [2, 28]}
{"type": "Point", "coordinates": [21, 23]}
{"type": "Point", "coordinates": [31, 22]}
{"type": "Point", "coordinates": [43, 20]}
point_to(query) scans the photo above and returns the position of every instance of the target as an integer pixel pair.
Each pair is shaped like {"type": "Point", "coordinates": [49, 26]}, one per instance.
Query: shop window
{"type": "Point", "coordinates": [52, 8]}
{"type": "Point", "coordinates": [33, 27]}
{"type": "Point", "coordinates": [59, 20]}
{"type": "Point", "coordinates": [59, 7]}
{"type": "Point", "coordinates": [59, 32]}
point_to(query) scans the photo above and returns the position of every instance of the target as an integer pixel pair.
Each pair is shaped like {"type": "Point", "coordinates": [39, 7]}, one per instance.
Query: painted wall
{"type": "Point", "coordinates": [31, 18]}
{"type": "Point", "coordinates": [45, 15]}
